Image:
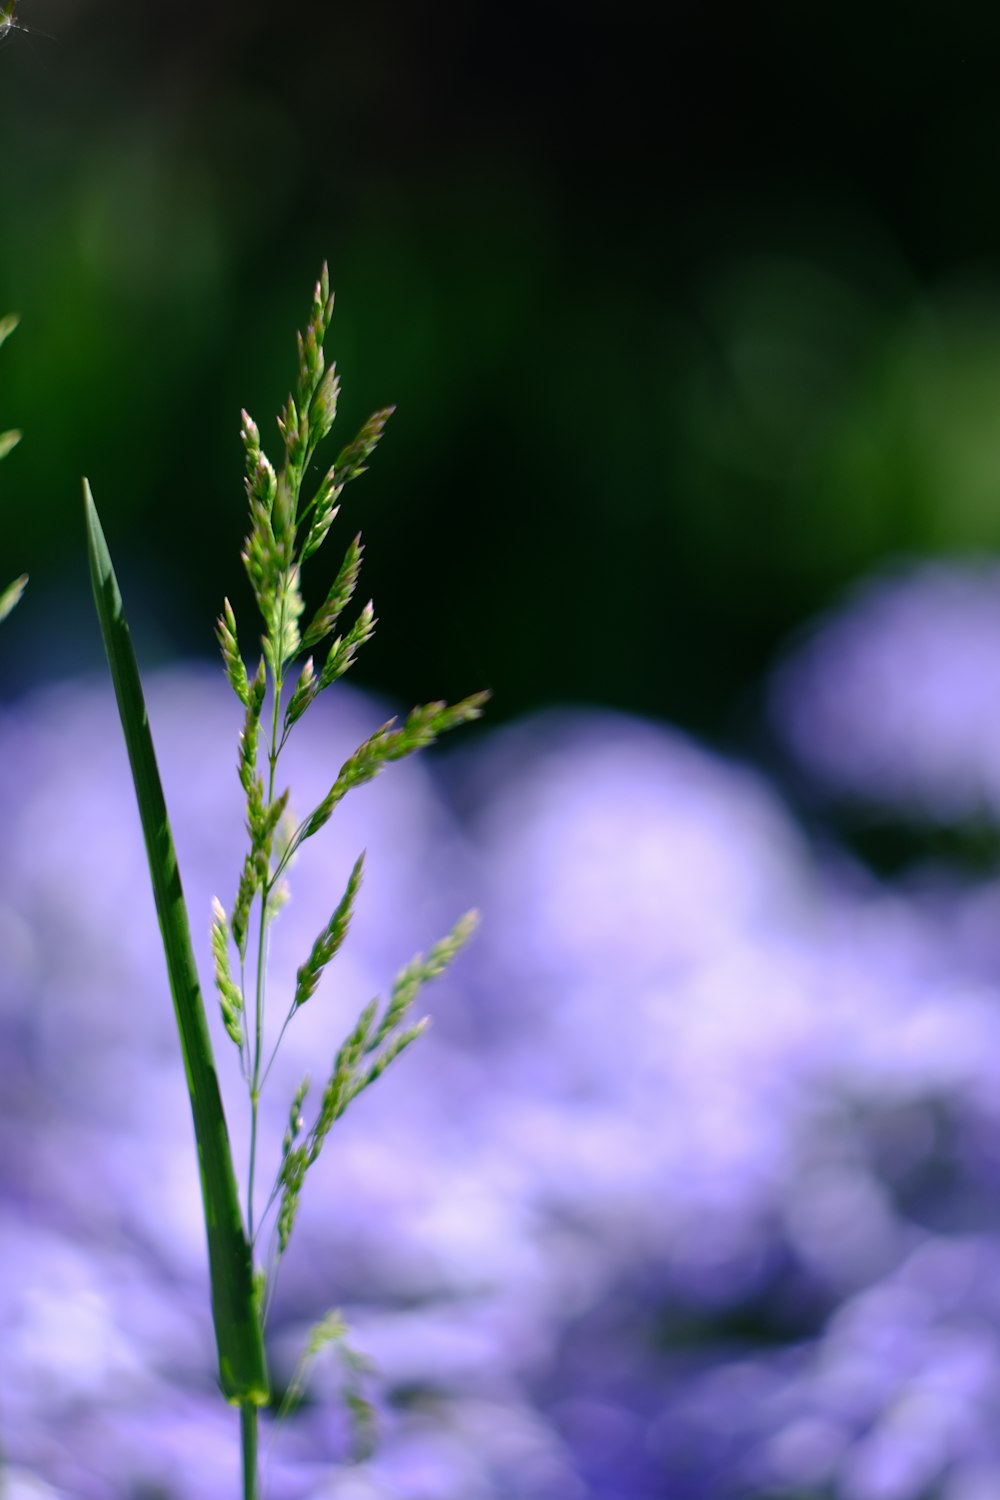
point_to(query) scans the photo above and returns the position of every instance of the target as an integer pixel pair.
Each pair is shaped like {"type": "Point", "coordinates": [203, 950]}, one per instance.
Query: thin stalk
{"type": "Point", "coordinates": [255, 1079]}
{"type": "Point", "coordinates": [258, 1046]}
{"type": "Point", "coordinates": [248, 1449]}
{"type": "Point", "coordinates": [281, 1035]}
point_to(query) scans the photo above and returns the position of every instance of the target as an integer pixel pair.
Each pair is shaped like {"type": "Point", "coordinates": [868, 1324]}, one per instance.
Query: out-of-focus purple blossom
{"type": "Point", "coordinates": [894, 1399]}
{"type": "Point", "coordinates": [692, 1188]}
{"type": "Point", "coordinates": [895, 700]}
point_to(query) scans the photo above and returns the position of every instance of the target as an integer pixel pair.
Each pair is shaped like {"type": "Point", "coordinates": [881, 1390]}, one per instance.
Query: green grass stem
{"type": "Point", "coordinates": [248, 1449]}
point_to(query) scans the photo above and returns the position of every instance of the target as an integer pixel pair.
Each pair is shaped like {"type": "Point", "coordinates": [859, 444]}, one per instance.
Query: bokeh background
{"type": "Point", "coordinates": [693, 327]}
{"type": "Point", "coordinates": [689, 319]}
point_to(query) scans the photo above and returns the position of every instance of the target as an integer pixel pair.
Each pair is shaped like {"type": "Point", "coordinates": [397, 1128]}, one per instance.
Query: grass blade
{"type": "Point", "coordinates": [242, 1364]}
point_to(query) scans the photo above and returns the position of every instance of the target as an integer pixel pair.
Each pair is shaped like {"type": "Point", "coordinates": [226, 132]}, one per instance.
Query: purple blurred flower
{"type": "Point", "coordinates": [895, 700]}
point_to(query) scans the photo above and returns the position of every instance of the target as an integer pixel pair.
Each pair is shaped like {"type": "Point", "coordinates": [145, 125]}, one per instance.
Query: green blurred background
{"type": "Point", "coordinates": [689, 322]}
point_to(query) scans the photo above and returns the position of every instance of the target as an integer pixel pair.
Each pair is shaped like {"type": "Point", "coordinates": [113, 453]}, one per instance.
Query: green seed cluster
{"type": "Point", "coordinates": [329, 940]}
{"type": "Point", "coordinates": [230, 994]}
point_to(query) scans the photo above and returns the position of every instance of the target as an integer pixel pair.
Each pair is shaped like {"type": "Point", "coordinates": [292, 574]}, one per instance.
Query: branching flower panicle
{"type": "Point", "coordinates": [288, 526]}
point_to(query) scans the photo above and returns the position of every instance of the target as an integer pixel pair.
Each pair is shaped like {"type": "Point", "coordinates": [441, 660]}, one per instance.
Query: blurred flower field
{"type": "Point", "coordinates": [693, 1188]}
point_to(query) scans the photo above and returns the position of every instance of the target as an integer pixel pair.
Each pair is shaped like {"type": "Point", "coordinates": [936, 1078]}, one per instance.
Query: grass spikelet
{"type": "Point", "coordinates": [305, 691]}
{"type": "Point", "coordinates": [420, 971]}
{"type": "Point", "coordinates": [329, 940]}
{"type": "Point", "coordinates": [11, 594]}
{"type": "Point", "coordinates": [351, 463]}
{"type": "Point", "coordinates": [230, 994]}
{"type": "Point", "coordinates": [423, 727]}
{"type": "Point", "coordinates": [229, 645]}
{"type": "Point", "coordinates": [339, 597]}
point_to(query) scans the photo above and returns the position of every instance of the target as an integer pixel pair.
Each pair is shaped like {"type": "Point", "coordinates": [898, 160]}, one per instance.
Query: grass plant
{"type": "Point", "coordinates": [289, 523]}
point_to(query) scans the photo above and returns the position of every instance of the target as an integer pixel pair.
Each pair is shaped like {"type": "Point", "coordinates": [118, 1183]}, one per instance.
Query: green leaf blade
{"type": "Point", "coordinates": [235, 1302]}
